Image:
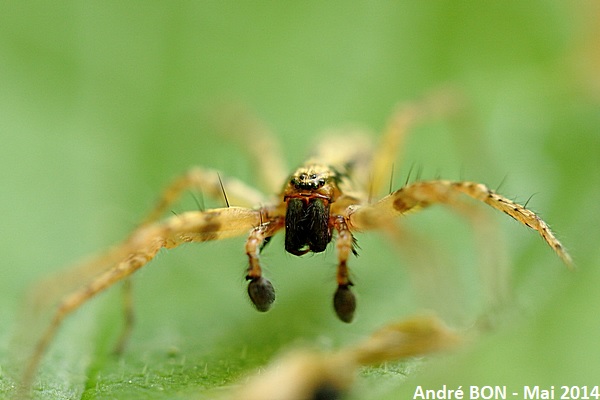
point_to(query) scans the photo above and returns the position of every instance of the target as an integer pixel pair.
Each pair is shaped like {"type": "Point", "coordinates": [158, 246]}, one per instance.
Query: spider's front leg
{"type": "Point", "coordinates": [131, 255]}
{"type": "Point", "coordinates": [260, 289]}
{"type": "Point", "coordinates": [419, 195]}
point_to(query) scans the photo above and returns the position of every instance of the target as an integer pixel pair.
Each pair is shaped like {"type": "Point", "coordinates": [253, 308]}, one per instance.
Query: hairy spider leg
{"type": "Point", "coordinates": [41, 302]}
{"type": "Point", "coordinates": [207, 181]}
{"type": "Point", "coordinates": [261, 144]}
{"type": "Point", "coordinates": [394, 136]}
{"type": "Point", "coordinates": [141, 247]}
{"type": "Point", "coordinates": [433, 273]}
{"type": "Point", "coordinates": [422, 194]}
{"type": "Point", "coordinates": [403, 119]}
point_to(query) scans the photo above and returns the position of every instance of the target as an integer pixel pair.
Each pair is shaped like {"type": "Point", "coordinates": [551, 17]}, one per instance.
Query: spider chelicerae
{"type": "Point", "coordinates": [326, 199]}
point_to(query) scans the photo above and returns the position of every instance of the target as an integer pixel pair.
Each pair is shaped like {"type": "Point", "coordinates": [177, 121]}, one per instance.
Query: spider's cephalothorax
{"type": "Point", "coordinates": [308, 197]}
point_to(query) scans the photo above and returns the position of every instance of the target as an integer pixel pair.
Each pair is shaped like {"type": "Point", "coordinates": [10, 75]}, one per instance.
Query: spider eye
{"type": "Point", "coordinates": [321, 182]}
{"type": "Point", "coordinates": [313, 176]}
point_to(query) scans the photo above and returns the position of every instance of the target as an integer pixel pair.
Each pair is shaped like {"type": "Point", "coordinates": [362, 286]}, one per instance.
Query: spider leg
{"type": "Point", "coordinates": [386, 153]}
{"type": "Point", "coordinates": [262, 145]}
{"type": "Point", "coordinates": [344, 301]}
{"type": "Point", "coordinates": [137, 251]}
{"type": "Point", "coordinates": [129, 317]}
{"type": "Point", "coordinates": [266, 154]}
{"type": "Point", "coordinates": [260, 289]}
{"type": "Point", "coordinates": [209, 182]}
{"type": "Point", "coordinates": [405, 117]}
{"type": "Point", "coordinates": [422, 194]}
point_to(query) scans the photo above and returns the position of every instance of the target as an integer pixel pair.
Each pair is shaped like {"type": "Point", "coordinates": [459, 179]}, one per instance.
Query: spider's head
{"type": "Point", "coordinates": [313, 178]}
{"type": "Point", "coordinates": [309, 179]}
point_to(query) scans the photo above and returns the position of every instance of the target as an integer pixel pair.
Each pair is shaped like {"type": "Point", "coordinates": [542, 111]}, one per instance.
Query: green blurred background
{"type": "Point", "coordinates": [103, 103]}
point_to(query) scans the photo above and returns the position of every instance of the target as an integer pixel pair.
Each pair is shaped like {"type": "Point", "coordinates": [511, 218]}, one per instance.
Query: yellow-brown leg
{"type": "Point", "coordinates": [134, 253]}
{"type": "Point", "coordinates": [422, 194]}
{"type": "Point", "coordinates": [80, 296]}
{"type": "Point", "coordinates": [210, 183]}
{"type": "Point", "coordinates": [404, 118]}
{"type": "Point", "coordinates": [261, 144]}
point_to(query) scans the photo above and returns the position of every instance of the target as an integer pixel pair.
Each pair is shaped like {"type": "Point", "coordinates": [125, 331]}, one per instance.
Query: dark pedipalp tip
{"type": "Point", "coordinates": [262, 293]}
{"type": "Point", "coordinates": [344, 303]}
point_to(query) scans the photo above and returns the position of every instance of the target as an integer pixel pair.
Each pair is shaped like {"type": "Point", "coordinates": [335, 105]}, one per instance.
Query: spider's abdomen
{"type": "Point", "coordinates": [307, 225]}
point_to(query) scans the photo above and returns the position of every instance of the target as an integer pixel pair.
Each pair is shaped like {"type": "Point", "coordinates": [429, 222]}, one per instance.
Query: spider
{"type": "Point", "coordinates": [325, 200]}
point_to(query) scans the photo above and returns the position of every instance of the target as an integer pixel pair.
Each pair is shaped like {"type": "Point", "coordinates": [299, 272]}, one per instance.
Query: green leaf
{"type": "Point", "coordinates": [103, 104]}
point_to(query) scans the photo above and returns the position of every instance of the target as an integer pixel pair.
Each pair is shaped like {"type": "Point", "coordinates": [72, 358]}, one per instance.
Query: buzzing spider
{"type": "Point", "coordinates": [326, 199]}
